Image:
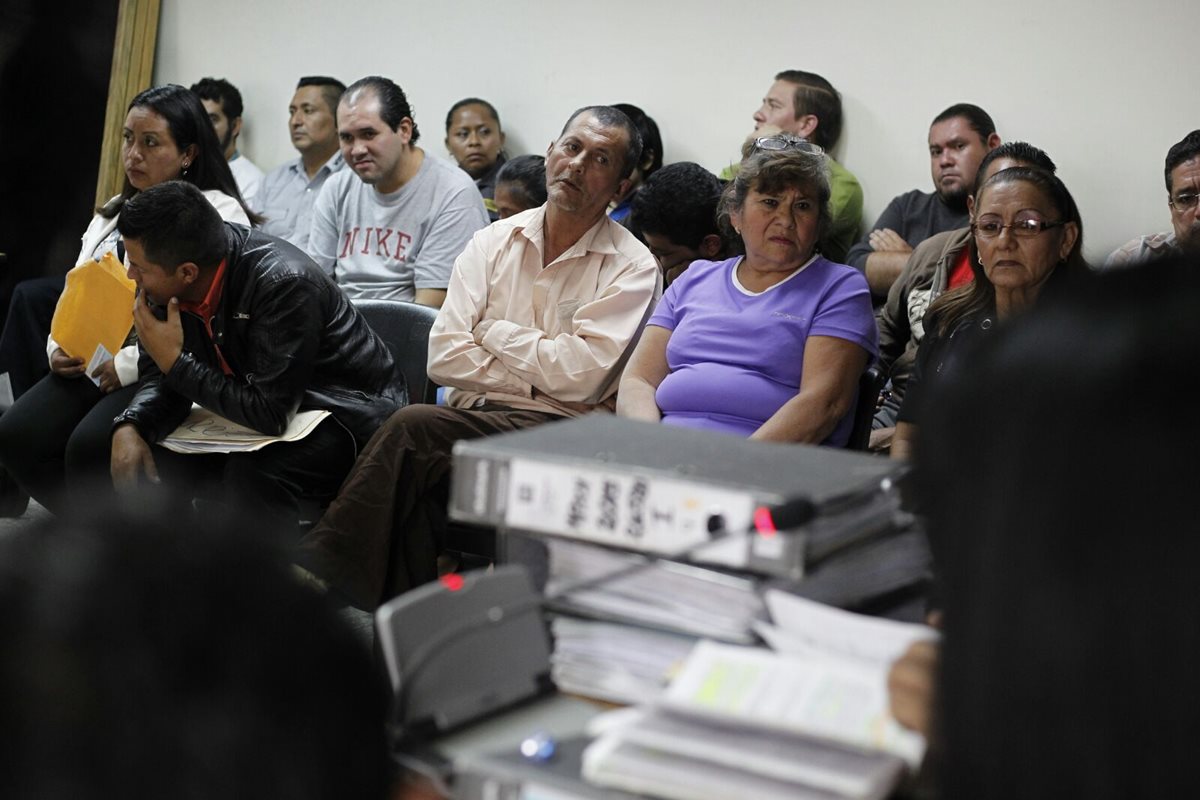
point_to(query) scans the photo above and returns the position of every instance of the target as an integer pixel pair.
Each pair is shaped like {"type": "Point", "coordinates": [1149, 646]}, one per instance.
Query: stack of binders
{"type": "Point", "coordinates": [646, 538]}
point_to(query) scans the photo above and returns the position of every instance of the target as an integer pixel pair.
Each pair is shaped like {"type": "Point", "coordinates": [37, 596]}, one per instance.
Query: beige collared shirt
{"type": "Point", "coordinates": [552, 339]}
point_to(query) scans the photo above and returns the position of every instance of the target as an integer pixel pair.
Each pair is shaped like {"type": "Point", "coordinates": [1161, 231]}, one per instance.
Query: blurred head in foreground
{"type": "Point", "coordinates": [144, 659]}
{"type": "Point", "coordinates": [1060, 485]}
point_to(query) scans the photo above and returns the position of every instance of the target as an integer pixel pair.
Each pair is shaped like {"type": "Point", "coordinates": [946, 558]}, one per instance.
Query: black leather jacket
{"type": "Point", "coordinates": [293, 341]}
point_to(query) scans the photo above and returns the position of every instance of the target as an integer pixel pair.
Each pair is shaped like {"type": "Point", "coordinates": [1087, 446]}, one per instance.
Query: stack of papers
{"type": "Point", "coordinates": [206, 432]}
{"type": "Point", "coordinates": [837, 700]}
{"type": "Point", "coordinates": [809, 721]}
{"type": "Point", "coordinates": [613, 662]}
{"type": "Point", "coordinates": [629, 587]}
{"type": "Point", "coordinates": [802, 627]}
{"type": "Point", "coordinates": [655, 752]}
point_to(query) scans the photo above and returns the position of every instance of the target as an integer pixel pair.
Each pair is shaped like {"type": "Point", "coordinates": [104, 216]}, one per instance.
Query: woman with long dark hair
{"type": "Point", "coordinates": [167, 136]}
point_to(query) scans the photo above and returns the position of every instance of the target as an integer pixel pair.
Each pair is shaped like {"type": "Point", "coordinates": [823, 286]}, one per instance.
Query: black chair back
{"type": "Point", "coordinates": [404, 327]}
{"type": "Point", "coordinates": [869, 386]}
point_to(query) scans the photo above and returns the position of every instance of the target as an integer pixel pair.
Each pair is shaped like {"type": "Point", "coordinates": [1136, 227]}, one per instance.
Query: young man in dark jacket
{"type": "Point", "coordinates": [248, 327]}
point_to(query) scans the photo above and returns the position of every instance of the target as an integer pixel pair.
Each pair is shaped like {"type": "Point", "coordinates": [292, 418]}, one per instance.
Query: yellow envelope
{"type": "Point", "coordinates": [96, 308]}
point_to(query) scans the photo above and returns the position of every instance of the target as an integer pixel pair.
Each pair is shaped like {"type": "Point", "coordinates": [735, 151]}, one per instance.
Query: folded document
{"type": "Point", "coordinates": [206, 432]}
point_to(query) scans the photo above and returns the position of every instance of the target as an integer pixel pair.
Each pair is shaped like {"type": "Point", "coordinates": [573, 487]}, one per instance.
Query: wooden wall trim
{"type": "Point", "coordinates": [132, 71]}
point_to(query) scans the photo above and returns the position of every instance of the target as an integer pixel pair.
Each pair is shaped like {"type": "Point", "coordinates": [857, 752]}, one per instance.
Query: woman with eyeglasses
{"type": "Point", "coordinates": [1027, 238]}
{"type": "Point", "coordinates": [770, 344]}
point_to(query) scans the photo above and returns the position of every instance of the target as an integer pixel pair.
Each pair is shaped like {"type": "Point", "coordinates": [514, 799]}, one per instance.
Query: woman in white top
{"type": "Point", "coordinates": [167, 136]}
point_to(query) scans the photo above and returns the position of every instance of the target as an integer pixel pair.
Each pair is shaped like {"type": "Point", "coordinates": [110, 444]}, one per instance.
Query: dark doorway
{"type": "Point", "coordinates": [55, 60]}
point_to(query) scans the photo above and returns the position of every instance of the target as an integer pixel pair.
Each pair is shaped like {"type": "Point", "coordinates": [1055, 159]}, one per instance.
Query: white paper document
{"type": "Point", "coordinates": [205, 432]}
{"type": "Point", "coordinates": [731, 758]}
{"type": "Point", "coordinates": [835, 699]}
{"type": "Point", "coordinates": [807, 628]}
{"type": "Point", "coordinates": [99, 356]}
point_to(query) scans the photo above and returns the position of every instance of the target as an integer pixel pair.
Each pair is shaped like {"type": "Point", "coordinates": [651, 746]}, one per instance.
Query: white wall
{"type": "Point", "coordinates": [1105, 86]}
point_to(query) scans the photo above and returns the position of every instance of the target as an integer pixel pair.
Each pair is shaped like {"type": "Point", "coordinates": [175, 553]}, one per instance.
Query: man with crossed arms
{"type": "Point", "coordinates": [540, 314]}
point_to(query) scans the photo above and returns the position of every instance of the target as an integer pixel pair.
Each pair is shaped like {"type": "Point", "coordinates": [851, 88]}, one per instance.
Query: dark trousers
{"type": "Point", "coordinates": [56, 428]}
{"type": "Point", "coordinates": [56, 442]}
{"type": "Point", "coordinates": [885, 415]}
{"type": "Point", "coordinates": [23, 343]}
{"type": "Point", "coordinates": [263, 488]}
{"type": "Point", "coordinates": [383, 533]}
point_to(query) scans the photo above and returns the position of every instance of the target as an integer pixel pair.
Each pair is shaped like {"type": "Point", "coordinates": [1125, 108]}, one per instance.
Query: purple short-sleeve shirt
{"type": "Point", "coordinates": [736, 357]}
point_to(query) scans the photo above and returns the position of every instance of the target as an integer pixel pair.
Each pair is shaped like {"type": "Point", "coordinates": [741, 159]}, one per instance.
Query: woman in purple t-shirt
{"type": "Point", "coordinates": [768, 345]}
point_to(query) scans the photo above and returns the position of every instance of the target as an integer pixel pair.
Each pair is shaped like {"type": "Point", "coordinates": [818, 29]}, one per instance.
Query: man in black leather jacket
{"type": "Point", "coordinates": [248, 327]}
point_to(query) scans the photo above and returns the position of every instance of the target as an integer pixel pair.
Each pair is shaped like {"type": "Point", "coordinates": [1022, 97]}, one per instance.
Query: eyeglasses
{"type": "Point", "coordinates": [1184, 201]}
{"type": "Point", "coordinates": [785, 141]}
{"type": "Point", "coordinates": [1025, 228]}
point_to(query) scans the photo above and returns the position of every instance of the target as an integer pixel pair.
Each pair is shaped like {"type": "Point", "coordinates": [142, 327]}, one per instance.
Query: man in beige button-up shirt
{"type": "Point", "coordinates": [541, 312]}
